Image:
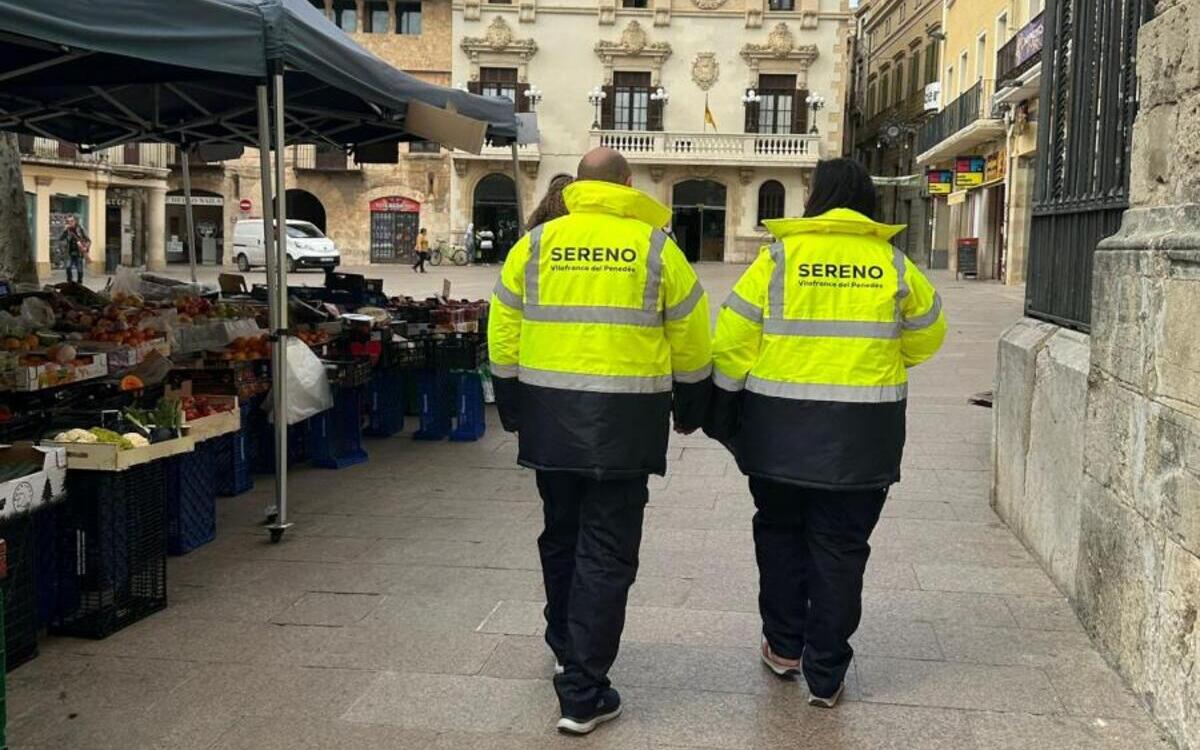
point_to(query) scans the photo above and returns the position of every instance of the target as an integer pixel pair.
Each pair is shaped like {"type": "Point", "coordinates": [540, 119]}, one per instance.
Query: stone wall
{"type": "Point", "coordinates": [1109, 498]}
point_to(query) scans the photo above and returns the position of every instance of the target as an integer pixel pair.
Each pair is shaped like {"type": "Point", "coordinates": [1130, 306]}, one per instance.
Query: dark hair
{"type": "Point", "coordinates": [552, 205]}
{"type": "Point", "coordinates": [841, 183]}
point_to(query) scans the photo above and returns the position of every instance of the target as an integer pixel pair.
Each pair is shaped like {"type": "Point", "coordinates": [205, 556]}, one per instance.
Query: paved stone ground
{"type": "Point", "coordinates": [404, 610]}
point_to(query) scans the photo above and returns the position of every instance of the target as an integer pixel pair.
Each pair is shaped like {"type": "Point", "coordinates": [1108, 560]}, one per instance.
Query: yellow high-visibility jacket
{"type": "Point", "coordinates": [812, 349]}
{"type": "Point", "coordinates": [598, 329]}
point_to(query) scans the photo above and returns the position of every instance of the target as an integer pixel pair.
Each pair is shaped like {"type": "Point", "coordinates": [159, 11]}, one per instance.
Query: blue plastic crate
{"type": "Point", "coordinates": [264, 440]}
{"type": "Point", "coordinates": [434, 403]}
{"type": "Point", "coordinates": [191, 494]}
{"type": "Point", "coordinates": [386, 403]}
{"type": "Point", "coordinates": [469, 414]}
{"type": "Point", "coordinates": [335, 435]}
{"type": "Point", "coordinates": [235, 456]}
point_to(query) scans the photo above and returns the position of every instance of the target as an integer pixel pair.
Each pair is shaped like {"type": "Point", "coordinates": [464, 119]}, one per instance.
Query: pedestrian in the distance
{"type": "Point", "coordinates": [78, 246]}
{"type": "Point", "coordinates": [422, 250]}
{"type": "Point", "coordinates": [487, 241]}
{"type": "Point", "coordinates": [469, 242]}
{"type": "Point", "coordinates": [553, 205]}
{"type": "Point", "coordinates": [598, 334]}
{"type": "Point", "coordinates": [810, 360]}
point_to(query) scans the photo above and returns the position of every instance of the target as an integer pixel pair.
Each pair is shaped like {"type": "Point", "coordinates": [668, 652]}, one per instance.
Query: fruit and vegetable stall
{"type": "Point", "coordinates": [126, 416]}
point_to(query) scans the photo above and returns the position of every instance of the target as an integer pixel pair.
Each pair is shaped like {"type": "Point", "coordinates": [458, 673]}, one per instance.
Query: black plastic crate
{"type": "Point", "coordinates": [404, 354]}
{"type": "Point", "coordinates": [20, 591]}
{"type": "Point", "coordinates": [112, 533]}
{"type": "Point", "coordinates": [348, 373]}
{"type": "Point", "coordinates": [191, 494]}
{"type": "Point", "coordinates": [461, 351]}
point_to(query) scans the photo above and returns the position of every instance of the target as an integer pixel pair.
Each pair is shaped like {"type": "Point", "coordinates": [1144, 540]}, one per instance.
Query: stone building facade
{"type": "Point", "coordinates": [118, 195]}
{"type": "Point", "coordinates": [658, 65]}
{"type": "Point", "coordinates": [896, 82]}
{"type": "Point", "coordinates": [1098, 436]}
{"type": "Point", "coordinates": [371, 211]}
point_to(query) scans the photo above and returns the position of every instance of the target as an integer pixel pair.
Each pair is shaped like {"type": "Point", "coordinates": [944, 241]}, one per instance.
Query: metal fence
{"type": "Point", "coordinates": [1088, 104]}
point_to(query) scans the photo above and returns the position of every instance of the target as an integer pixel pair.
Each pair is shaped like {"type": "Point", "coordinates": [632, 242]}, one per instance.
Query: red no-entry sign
{"type": "Point", "coordinates": [245, 205]}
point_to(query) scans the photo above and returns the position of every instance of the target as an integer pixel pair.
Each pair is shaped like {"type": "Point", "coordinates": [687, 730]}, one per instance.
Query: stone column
{"type": "Point", "coordinates": [1138, 580]}
{"type": "Point", "coordinates": [156, 237]}
{"type": "Point", "coordinates": [97, 227]}
{"type": "Point", "coordinates": [41, 228]}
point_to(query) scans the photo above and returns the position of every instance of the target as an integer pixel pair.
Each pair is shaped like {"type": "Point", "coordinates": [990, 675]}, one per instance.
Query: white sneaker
{"type": "Point", "coordinates": [781, 667]}
{"type": "Point", "coordinates": [558, 667]}
{"type": "Point", "coordinates": [829, 702]}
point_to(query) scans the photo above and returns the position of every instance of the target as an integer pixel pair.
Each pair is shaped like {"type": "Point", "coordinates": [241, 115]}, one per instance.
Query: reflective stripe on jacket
{"type": "Point", "coordinates": [599, 328]}
{"type": "Point", "coordinates": [811, 352]}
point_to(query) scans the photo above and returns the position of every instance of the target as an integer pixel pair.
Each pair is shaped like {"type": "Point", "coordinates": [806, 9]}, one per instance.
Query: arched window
{"type": "Point", "coordinates": [770, 201]}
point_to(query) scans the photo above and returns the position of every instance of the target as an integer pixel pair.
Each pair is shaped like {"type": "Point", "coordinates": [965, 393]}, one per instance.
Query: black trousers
{"type": "Point", "coordinates": [812, 552]}
{"type": "Point", "coordinates": [589, 552]}
{"type": "Point", "coordinates": [419, 264]}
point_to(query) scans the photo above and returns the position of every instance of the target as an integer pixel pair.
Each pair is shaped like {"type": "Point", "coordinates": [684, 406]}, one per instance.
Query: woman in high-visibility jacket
{"type": "Point", "coordinates": [810, 360]}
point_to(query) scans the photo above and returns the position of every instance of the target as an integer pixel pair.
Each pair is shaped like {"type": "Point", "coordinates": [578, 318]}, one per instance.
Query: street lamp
{"type": "Point", "coordinates": [815, 104]}
{"type": "Point", "coordinates": [462, 86]}
{"type": "Point", "coordinates": [534, 95]}
{"type": "Point", "coordinates": [596, 97]}
{"type": "Point", "coordinates": [751, 97]}
{"type": "Point", "coordinates": [660, 95]}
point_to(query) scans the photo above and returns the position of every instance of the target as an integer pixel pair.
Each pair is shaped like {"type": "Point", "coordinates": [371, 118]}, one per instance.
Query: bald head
{"type": "Point", "coordinates": [605, 165]}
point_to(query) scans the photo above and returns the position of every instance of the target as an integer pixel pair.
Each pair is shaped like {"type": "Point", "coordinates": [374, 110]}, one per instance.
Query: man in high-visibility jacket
{"type": "Point", "coordinates": [810, 367]}
{"type": "Point", "coordinates": [598, 334]}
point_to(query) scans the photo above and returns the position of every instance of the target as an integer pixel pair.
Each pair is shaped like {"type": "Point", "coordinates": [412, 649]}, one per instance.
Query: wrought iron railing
{"type": "Point", "coordinates": [974, 104]}
{"type": "Point", "coordinates": [1088, 104]}
{"type": "Point", "coordinates": [1021, 52]}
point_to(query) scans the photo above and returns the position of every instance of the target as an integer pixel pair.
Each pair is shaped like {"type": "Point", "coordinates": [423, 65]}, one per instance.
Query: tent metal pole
{"type": "Point", "coordinates": [516, 164]}
{"type": "Point", "coordinates": [280, 339]}
{"type": "Point", "coordinates": [268, 218]}
{"type": "Point", "coordinates": [187, 210]}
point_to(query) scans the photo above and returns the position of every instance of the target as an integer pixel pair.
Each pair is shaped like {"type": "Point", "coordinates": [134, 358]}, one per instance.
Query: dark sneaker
{"type": "Point", "coordinates": [607, 709]}
{"type": "Point", "coordinates": [777, 664]}
{"type": "Point", "coordinates": [830, 702]}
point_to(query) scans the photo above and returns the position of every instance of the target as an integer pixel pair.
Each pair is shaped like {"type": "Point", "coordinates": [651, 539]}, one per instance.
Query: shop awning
{"type": "Point", "coordinates": [103, 73]}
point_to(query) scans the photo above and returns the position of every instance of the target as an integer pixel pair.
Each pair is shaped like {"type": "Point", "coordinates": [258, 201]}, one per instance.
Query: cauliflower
{"type": "Point", "coordinates": [75, 436]}
{"type": "Point", "coordinates": [136, 440]}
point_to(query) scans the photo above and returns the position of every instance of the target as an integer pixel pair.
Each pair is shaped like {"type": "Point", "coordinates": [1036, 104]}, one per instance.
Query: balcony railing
{"type": "Point", "coordinates": [152, 155]}
{"type": "Point", "coordinates": [322, 159]}
{"type": "Point", "coordinates": [908, 109]}
{"type": "Point", "coordinates": [525, 152]}
{"type": "Point", "coordinates": [975, 104]}
{"type": "Point", "coordinates": [1021, 52]}
{"type": "Point", "coordinates": [710, 148]}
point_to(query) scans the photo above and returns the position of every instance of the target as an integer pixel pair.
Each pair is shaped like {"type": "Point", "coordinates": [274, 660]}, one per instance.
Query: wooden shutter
{"type": "Point", "coordinates": [800, 112]}
{"type": "Point", "coordinates": [608, 109]}
{"type": "Point", "coordinates": [132, 154]}
{"type": "Point", "coordinates": [522, 97]}
{"type": "Point", "coordinates": [474, 87]}
{"type": "Point", "coordinates": [654, 115]}
{"type": "Point", "coordinates": [751, 115]}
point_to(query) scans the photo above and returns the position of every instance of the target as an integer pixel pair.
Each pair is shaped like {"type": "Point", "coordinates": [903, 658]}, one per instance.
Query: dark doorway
{"type": "Point", "coordinates": [305, 206]}
{"type": "Point", "coordinates": [699, 219]}
{"type": "Point", "coordinates": [112, 237]}
{"type": "Point", "coordinates": [208, 215]}
{"type": "Point", "coordinates": [495, 210]}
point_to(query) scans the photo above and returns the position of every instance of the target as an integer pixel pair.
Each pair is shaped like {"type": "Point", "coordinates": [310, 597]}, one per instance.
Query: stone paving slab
{"type": "Point", "coordinates": [404, 610]}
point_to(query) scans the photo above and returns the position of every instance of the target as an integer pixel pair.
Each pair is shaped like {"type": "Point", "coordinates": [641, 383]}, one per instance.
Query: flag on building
{"type": "Point", "coordinates": [708, 116]}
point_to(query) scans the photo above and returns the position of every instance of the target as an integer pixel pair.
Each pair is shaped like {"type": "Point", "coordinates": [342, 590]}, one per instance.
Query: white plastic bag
{"type": "Point", "coordinates": [308, 392]}
{"type": "Point", "coordinates": [37, 314]}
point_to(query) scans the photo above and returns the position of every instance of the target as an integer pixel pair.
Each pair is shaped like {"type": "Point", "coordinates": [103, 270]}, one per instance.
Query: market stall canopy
{"type": "Point", "coordinates": [103, 73]}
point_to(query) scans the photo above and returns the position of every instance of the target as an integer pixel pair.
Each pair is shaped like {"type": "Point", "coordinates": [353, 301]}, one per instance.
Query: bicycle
{"type": "Point", "coordinates": [456, 254]}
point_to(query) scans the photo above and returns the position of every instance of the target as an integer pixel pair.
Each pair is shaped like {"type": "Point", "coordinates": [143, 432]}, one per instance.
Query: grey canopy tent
{"type": "Point", "coordinates": [199, 73]}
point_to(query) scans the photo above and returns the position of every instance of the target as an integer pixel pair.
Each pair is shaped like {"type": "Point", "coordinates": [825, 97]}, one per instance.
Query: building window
{"type": "Point", "coordinates": [770, 201]}
{"type": "Point", "coordinates": [1002, 28]}
{"type": "Point", "coordinates": [499, 2]}
{"type": "Point", "coordinates": [632, 100]}
{"type": "Point", "coordinates": [424, 147]}
{"type": "Point", "coordinates": [781, 5]}
{"type": "Point", "coordinates": [931, 63]}
{"type": "Point", "coordinates": [980, 57]}
{"type": "Point", "coordinates": [898, 80]}
{"type": "Point", "coordinates": [408, 18]}
{"type": "Point", "coordinates": [345, 15]}
{"type": "Point", "coordinates": [885, 90]}
{"type": "Point", "coordinates": [962, 72]}
{"type": "Point", "coordinates": [375, 17]}
{"type": "Point", "coordinates": [499, 82]}
{"type": "Point", "coordinates": [948, 89]}
{"type": "Point", "coordinates": [777, 100]}
{"type": "Point", "coordinates": [871, 100]}
{"type": "Point", "coordinates": [635, 3]}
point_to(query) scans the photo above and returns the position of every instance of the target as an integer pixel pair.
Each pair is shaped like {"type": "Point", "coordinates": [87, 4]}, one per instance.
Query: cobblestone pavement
{"type": "Point", "coordinates": [404, 610]}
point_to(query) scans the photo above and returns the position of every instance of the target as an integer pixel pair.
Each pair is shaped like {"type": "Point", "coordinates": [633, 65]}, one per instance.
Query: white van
{"type": "Point", "coordinates": [307, 246]}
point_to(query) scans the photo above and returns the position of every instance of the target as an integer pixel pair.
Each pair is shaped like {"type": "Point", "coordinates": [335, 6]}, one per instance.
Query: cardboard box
{"type": "Point", "coordinates": [28, 492]}
{"type": "Point", "coordinates": [205, 428]}
{"type": "Point", "coordinates": [52, 375]}
{"type": "Point", "coordinates": [122, 357]}
{"type": "Point", "coordinates": [108, 457]}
